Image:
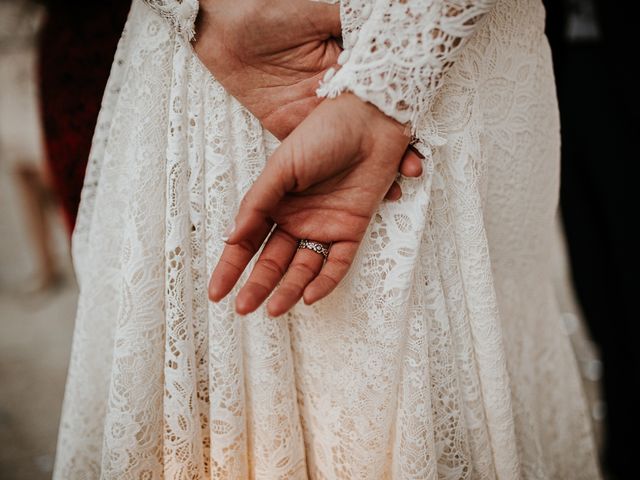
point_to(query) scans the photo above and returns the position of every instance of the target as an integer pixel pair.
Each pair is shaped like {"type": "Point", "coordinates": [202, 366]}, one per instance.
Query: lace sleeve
{"type": "Point", "coordinates": [181, 14]}
{"type": "Point", "coordinates": [398, 56]}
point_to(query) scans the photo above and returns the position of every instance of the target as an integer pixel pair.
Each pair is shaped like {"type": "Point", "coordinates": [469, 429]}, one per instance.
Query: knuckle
{"type": "Point", "coordinates": [247, 245]}
{"type": "Point", "coordinates": [272, 266]}
{"type": "Point", "coordinates": [341, 262]}
{"type": "Point", "coordinates": [328, 279]}
{"type": "Point", "coordinates": [290, 290]}
{"type": "Point", "coordinates": [304, 269]}
{"type": "Point", "coordinates": [255, 285]}
{"type": "Point", "coordinates": [231, 264]}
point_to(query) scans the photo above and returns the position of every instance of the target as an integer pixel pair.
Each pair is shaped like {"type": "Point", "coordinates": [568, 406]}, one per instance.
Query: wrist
{"type": "Point", "coordinates": [374, 119]}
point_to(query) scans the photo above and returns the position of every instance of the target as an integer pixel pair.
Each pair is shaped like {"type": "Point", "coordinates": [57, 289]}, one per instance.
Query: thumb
{"type": "Point", "coordinates": [327, 16]}
{"type": "Point", "coordinates": [253, 218]}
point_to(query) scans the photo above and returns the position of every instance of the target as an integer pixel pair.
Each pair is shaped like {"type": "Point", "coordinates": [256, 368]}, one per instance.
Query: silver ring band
{"type": "Point", "coordinates": [313, 245]}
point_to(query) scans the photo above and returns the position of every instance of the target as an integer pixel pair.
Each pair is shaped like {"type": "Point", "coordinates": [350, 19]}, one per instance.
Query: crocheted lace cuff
{"type": "Point", "coordinates": [397, 55]}
{"type": "Point", "coordinates": [181, 14]}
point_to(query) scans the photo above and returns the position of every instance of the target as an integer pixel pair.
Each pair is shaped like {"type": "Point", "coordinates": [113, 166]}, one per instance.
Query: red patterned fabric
{"type": "Point", "coordinates": [77, 45]}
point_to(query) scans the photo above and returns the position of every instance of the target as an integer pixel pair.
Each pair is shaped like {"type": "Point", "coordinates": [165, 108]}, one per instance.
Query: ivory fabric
{"type": "Point", "coordinates": [441, 355]}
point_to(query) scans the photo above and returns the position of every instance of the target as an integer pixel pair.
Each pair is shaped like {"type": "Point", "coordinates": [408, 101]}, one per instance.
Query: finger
{"type": "Point", "coordinates": [394, 192]}
{"type": "Point", "coordinates": [303, 269]}
{"type": "Point", "coordinates": [267, 272]}
{"type": "Point", "coordinates": [232, 262]}
{"type": "Point", "coordinates": [341, 255]}
{"type": "Point", "coordinates": [257, 205]}
{"type": "Point", "coordinates": [411, 164]}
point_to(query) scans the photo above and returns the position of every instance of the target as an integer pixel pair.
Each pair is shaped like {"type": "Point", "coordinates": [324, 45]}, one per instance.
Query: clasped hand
{"type": "Point", "coordinates": [337, 161]}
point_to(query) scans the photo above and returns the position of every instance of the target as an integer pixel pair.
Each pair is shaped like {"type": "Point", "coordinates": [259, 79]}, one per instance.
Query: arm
{"type": "Point", "coordinates": [398, 57]}
{"type": "Point", "coordinates": [268, 55]}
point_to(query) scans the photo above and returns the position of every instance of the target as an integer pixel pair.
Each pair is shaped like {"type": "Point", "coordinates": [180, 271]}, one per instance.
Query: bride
{"type": "Point", "coordinates": [251, 306]}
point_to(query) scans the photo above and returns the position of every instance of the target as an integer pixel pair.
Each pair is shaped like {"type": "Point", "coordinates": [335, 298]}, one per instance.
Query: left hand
{"type": "Point", "coordinates": [271, 54]}
{"type": "Point", "coordinates": [323, 183]}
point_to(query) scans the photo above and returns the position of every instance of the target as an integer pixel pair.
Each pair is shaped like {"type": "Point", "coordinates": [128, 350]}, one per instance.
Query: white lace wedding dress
{"type": "Point", "coordinates": [442, 355]}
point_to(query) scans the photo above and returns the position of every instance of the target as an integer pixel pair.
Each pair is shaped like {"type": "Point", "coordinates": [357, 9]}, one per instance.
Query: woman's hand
{"type": "Point", "coordinates": [323, 183]}
{"type": "Point", "coordinates": [271, 56]}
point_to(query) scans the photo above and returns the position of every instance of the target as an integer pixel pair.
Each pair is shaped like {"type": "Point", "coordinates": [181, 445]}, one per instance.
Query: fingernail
{"type": "Point", "coordinates": [417, 152]}
{"type": "Point", "coordinates": [227, 233]}
{"type": "Point", "coordinates": [213, 294]}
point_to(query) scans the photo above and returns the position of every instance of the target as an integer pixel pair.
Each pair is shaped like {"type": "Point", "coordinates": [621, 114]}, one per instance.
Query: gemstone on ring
{"type": "Point", "coordinates": [315, 246]}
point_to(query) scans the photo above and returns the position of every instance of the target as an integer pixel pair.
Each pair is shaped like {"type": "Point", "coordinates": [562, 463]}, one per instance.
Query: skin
{"type": "Point", "coordinates": [272, 59]}
{"type": "Point", "coordinates": [269, 57]}
{"type": "Point", "coordinates": [324, 182]}
{"type": "Point", "coordinates": [337, 161]}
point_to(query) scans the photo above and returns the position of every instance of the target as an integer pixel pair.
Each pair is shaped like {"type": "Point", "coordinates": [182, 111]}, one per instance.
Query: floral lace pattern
{"type": "Point", "coordinates": [397, 53]}
{"type": "Point", "coordinates": [441, 355]}
{"type": "Point", "coordinates": [181, 14]}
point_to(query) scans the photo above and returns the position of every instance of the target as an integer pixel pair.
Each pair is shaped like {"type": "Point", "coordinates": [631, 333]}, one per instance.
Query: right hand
{"type": "Point", "coordinates": [324, 182]}
{"type": "Point", "coordinates": [272, 57]}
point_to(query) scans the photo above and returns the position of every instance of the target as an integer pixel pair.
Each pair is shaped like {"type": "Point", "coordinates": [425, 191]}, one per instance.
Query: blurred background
{"type": "Point", "coordinates": [55, 58]}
